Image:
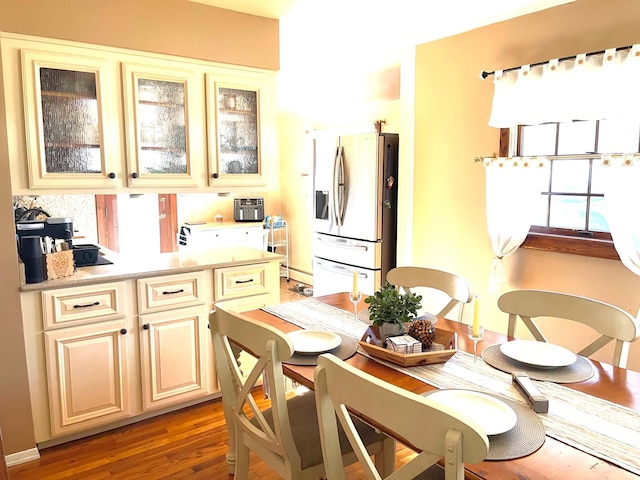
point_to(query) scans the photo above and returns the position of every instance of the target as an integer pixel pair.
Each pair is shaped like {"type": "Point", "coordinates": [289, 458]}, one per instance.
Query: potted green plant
{"type": "Point", "coordinates": [389, 309]}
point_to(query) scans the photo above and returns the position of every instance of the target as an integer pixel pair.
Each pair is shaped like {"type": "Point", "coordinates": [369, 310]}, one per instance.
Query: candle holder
{"type": "Point", "coordinates": [475, 336]}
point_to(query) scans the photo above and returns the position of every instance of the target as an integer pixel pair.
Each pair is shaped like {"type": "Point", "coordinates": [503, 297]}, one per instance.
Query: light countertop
{"type": "Point", "coordinates": [127, 267]}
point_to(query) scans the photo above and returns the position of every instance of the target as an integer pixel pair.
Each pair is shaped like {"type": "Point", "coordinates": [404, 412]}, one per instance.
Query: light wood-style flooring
{"type": "Point", "coordinates": [190, 443]}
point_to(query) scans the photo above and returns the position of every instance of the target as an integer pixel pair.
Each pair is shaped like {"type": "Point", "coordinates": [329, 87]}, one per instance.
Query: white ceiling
{"type": "Point", "coordinates": [355, 26]}
{"type": "Point", "coordinates": [261, 8]}
{"type": "Point", "coordinates": [330, 45]}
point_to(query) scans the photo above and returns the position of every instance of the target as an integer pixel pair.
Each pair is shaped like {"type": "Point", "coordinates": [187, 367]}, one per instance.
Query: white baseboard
{"type": "Point", "coordinates": [21, 457]}
{"type": "Point", "coordinates": [301, 276]}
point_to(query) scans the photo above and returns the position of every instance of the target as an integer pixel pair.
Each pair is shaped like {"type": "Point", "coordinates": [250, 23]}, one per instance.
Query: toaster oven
{"type": "Point", "coordinates": [248, 209]}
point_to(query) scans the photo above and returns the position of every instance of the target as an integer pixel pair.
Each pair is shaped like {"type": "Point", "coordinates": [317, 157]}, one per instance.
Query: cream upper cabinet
{"type": "Point", "coordinates": [241, 131]}
{"type": "Point", "coordinates": [70, 120]}
{"type": "Point", "coordinates": [163, 124]}
{"type": "Point", "coordinates": [87, 117]}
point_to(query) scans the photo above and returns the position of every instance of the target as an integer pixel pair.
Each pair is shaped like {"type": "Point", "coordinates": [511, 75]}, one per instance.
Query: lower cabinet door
{"type": "Point", "coordinates": [88, 376]}
{"type": "Point", "coordinates": [173, 356]}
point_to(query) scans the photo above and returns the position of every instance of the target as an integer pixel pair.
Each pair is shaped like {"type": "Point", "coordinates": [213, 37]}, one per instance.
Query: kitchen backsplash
{"type": "Point", "coordinates": [82, 208]}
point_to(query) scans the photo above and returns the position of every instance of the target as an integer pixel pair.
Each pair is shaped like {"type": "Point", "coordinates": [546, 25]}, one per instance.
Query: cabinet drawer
{"type": "Point", "coordinates": [81, 305]}
{"type": "Point", "coordinates": [235, 282]}
{"type": "Point", "coordinates": [170, 291]}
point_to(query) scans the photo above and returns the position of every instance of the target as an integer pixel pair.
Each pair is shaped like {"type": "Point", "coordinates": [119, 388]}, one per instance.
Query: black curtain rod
{"type": "Point", "coordinates": [485, 74]}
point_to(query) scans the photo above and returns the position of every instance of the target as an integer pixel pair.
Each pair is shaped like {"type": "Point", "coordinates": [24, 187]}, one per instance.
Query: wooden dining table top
{"type": "Point", "coordinates": [554, 460]}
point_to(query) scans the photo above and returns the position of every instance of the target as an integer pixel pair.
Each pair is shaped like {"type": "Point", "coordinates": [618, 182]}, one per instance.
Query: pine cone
{"type": "Point", "coordinates": [424, 331]}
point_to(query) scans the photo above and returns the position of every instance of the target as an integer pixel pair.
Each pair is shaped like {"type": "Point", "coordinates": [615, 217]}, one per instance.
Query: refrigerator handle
{"type": "Point", "coordinates": [341, 270]}
{"type": "Point", "coordinates": [347, 246]}
{"type": "Point", "coordinates": [339, 188]}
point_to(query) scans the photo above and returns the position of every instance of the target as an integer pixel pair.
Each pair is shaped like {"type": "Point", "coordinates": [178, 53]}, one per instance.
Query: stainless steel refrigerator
{"type": "Point", "coordinates": [355, 209]}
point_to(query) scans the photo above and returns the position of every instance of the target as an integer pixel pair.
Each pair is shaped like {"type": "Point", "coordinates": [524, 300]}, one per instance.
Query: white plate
{"type": "Point", "coordinates": [363, 316]}
{"type": "Point", "coordinates": [311, 342]}
{"type": "Point", "coordinates": [538, 354]}
{"type": "Point", "coordinates": [493, 415]}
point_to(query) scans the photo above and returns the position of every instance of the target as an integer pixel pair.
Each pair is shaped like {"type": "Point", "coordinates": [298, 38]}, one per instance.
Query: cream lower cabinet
{"type": "Point", "coordinates": [87, 347]}
{"type": "Point", "coordinates": [174, 341]}
{"type": "Point", "coordinates": [88, 376]}
{"type": "Point", "coordinates": [173, 356]}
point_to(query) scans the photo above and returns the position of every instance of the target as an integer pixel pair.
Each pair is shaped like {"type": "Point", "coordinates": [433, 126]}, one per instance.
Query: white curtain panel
{"type": "Point", "coordinates": [620, 176]}
{"type": "Point", "coordinates": [587, 87]}
{"type": "Point", "coordinates": [513, 191]}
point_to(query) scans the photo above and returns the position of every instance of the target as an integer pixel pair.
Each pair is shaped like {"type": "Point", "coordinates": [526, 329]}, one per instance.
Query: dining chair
{"type": "Point", "coordinates": [458, 290]}
{"type": "Point", "coordinates": [432, 428]}
{"type": "Point", "coordinates": [611, 322]}
{"type": "Point", "coordinates": [285, 436]}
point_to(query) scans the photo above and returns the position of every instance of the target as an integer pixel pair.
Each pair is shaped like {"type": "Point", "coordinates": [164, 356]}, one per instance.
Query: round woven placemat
{"type": "Point", "coordinates": [523, 439]}
{"type": "Point", "coordinates": [579, 371]}
{"type": "Point", "coordinates": [346, 349]}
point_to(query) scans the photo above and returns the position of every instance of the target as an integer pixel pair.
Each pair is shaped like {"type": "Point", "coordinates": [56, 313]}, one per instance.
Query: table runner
{"type": "Point", "coordinates": [598, 427]}
{"type": "Point", "coordinates": [312, 314]}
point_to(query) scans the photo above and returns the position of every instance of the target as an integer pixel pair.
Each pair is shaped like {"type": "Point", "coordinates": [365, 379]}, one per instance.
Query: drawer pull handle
{"type": "Point", "coordinates": [94, 304]}
{"type": "Point", "coordinates": [145, 326]}
{"type": "Point", "coordinates": [174, 292]}
{"type": "Point", "coordinates": [245, 281]}
{"type": "Point", "coordinates": [123, 331]}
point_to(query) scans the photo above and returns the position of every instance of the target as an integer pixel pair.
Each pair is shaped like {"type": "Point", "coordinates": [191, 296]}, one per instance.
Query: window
{"type": "Point", "coordinates": [570, 214]}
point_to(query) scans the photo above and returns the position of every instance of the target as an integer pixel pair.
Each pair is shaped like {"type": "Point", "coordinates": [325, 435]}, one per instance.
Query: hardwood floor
{"type": "Point", "coordinates": [190, 443]}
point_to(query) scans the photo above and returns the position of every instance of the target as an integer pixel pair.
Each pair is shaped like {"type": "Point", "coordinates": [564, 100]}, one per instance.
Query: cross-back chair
{"type": "Point", "coordinates": [285, 436]}
{"type": "Point", "coordinates": [611, 322]}
{"type": "Point", "coordinates": [436, 430]}
{"type": "Point", "coordinates": [456, 287]}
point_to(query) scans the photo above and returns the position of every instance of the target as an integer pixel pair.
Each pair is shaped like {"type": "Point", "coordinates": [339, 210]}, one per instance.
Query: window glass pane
{"type": "Point", "coordinates": [568, 212]}
{"type": "Point", "coordinates": [540, 215]}
{"type": "Point", "coordinates": [538, 140]}
{"type": "Point", "coordinates": [618, 136]}
{"type": "Point", "coordinates": [577, 137]}
{"type": "Point", "coordinates": [596, 180]}
{"type": "Point", "coordinates": [597, 220]}
{"type": "Point", "coordinates": [570, 176]}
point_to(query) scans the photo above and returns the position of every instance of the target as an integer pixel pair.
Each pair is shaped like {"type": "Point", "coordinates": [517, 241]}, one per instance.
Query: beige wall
{"type": "Point", "coordinates": [452, 111]}
{"type": "Point", "coordinates": [175, 27]}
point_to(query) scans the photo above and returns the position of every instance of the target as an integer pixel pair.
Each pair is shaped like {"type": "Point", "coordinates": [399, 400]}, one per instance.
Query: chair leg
{"type": "Point", "coordinates": [386, 459]}
{"type": "Point", "coordinates": [242, 461]}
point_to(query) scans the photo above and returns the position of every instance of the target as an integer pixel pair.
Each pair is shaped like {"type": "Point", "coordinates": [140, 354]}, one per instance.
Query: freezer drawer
{"type": "Point", "coordinates": [360, 253]}
{"type": "Point", "coordinates": [331, 277]}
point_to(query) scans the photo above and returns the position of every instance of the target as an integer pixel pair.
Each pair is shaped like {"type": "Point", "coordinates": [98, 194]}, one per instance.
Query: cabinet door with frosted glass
{"type": "Point", "coordinates": [242, 136]}
{"type": "Point", "coordinates": [70, 120]}
{"type": "Point", "coordinates": [163, 135]}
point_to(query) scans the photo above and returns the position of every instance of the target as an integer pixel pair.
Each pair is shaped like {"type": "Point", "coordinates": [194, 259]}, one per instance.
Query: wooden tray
{"type": "Point", "coordinates": [443, 337]}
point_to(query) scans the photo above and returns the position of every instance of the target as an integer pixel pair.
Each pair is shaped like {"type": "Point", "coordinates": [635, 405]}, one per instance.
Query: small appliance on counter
{"type": "Point", "coordinates": [44, 247]}
{"type": "Point", "coordinates": [60, 228]}
{"type": "Point", "coordinates": [248, 209]}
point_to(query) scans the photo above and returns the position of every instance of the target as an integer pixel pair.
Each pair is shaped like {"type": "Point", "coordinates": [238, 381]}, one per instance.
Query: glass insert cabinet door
{"type": "Point", "coordinates": [235, 141]}
{"type": "Point", "coordinates": [158, 126]}
{"type": "Point", "coordinates": [68, 121]}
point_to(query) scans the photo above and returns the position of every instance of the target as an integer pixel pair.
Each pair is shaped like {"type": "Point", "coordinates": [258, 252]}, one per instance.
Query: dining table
{"type": "Point", "coordinates": [554, 459]}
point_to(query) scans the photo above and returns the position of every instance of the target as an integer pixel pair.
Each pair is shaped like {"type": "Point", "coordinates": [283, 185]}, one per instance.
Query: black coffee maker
{"type": "Point", "coordinates": [31, 236]}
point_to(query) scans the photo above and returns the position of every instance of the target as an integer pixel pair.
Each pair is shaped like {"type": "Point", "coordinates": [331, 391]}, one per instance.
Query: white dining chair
{"type": "Point", "coordinates": [611, 322]}
{"type": "Point", "coordinates": [285, 436]}
{"type": "Point", "coordinates": [458, 289]}
{"type": "Point", "coordinates": [437, 431]}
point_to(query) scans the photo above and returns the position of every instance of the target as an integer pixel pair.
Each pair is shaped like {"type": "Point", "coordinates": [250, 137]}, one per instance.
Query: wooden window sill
{"type": "Point", "coordinates": [571, 245]}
